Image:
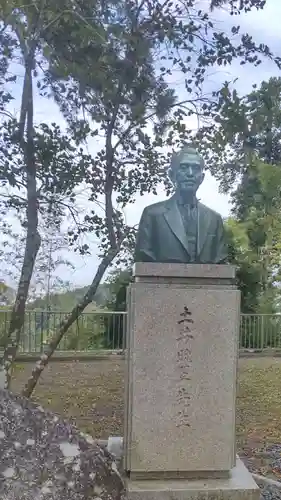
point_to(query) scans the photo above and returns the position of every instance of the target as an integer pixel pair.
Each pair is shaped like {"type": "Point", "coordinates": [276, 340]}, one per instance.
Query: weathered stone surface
{"type": "Point", "coordinates": [181, 377]}
{"type": "Point", "coordinates": [43, 457]}
{"type": "Point", "coordinates": [206, 271]}
{"type": "Point", "coordinates": [239, 486]}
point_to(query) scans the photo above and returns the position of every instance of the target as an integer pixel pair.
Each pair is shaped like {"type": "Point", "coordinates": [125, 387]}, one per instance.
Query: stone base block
{"type": "Point", "coordinates": [183, 327]}
{"type": "Point", "coordinates": [239, 486]}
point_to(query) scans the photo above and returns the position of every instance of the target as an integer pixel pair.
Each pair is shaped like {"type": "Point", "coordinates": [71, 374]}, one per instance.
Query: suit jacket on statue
{"type": "Point", "coordinates": [162, 236]}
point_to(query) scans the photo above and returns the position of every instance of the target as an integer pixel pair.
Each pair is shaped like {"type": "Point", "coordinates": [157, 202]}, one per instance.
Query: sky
{"type": "Point", "coordinates": [264, 26]}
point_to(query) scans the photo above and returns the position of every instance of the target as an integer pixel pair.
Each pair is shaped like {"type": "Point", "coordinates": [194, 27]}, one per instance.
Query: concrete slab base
{"type": "Point", "coordinates": [239, 486]}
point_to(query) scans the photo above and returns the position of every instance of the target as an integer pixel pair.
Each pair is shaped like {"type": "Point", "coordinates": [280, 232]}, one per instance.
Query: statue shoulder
{"type": "Point", "coordinates": [155, 208]}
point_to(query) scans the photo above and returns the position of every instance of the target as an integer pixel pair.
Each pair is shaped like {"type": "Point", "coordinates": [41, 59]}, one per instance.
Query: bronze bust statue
{"type": "Point", "coordinates": [181, 229]}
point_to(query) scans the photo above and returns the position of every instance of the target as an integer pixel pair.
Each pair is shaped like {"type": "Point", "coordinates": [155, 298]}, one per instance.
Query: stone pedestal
{"type": "Point", "coordinates": [183, 323]}
{"type": "Point", "coordinates": [239, 486]}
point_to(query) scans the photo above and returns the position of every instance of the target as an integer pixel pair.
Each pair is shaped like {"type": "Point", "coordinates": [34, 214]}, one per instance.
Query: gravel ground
{"type": "Point", "coordinates": [270, 493]}
{"type": "Point", "coordinates": [274, 452]}
{"type": "Point", "coordinates": [273, 456]}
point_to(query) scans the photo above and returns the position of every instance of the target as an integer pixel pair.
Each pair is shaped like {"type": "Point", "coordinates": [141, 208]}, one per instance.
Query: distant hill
{"type": "Point", "coordinates": [65, 301]}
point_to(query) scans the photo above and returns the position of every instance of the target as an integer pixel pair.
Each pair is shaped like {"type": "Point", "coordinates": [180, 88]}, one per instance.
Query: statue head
{"type": "Point", "coordinates": [186, 170]}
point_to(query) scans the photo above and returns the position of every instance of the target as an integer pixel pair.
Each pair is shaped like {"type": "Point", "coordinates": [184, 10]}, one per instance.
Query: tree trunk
{"type": "Point", "coordinates": [66, 323]}
{"type": "Point", "coordinates": [33, 241]}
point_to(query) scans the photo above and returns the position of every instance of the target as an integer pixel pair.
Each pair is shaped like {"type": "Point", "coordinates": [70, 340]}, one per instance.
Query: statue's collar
{"type": "Point", "coordinates": [191, 203]}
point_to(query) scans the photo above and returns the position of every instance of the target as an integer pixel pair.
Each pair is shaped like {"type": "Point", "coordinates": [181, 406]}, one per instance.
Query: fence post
{"type": "Point", "coordinates": [42, 332]}
{"type": "Point", "coordinates": [262, 332]}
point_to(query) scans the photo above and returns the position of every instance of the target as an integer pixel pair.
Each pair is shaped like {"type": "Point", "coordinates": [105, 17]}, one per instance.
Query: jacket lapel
{"type": "Point", "coordinates": [175, 222]}
{"type": "Point", "coordinates": [204, 220]}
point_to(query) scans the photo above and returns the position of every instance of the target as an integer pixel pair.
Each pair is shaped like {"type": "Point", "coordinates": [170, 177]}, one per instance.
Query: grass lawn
{"type": "Point", "coordinates": [90, 394]}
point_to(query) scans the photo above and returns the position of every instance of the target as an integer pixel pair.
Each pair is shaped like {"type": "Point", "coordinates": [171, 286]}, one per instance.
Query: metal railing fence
{"type": "Point", "coordinates": [260, 331]}
{"type": "Point", "coordinates": [106, 330]}
{"type": "Point", "coordinates": [95, 331]}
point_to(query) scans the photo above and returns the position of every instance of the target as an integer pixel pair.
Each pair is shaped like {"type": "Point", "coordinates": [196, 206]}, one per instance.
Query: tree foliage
{"type": "Point", "coordinates": [29, 154]}
{"type": "Point", "coordinates": [255, 241]}
{"type": "Point", "coordinates": [237, 6]}
{"type": "Point", "coordinates": [246, 142]}
{"type": "Point", "coordinates": [247, 265]}
{"type": "Point", "coordinates": [246, 127]}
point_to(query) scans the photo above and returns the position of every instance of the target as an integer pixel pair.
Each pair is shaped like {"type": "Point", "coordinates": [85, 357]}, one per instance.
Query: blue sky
{"type": "Point", "coordinates": [264, 26]}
